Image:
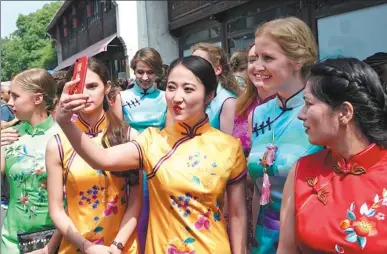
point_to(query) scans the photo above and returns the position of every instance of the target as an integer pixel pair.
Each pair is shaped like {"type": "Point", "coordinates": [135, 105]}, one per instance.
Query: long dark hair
{"type": "Point", "coordinates": [116, 130]}
{"type": "Point", "coordinates": [336, 81]}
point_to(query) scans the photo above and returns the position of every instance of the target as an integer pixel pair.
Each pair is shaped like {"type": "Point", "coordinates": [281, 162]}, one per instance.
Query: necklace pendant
{"type": "Point", "coordinates": [268, 157]}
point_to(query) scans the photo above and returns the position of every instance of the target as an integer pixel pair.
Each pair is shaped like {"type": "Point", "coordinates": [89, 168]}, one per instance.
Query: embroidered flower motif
{"type": "Point", "coordinates": [39, 171]}
{"type": "Point", "coordinates": [24, 199]}
{"type": "Point", "coordinates": [177, 246]}
{"type": "Point", "coordinates": [182, 203]}
{"type": "Point", "coordinates": [358, 229]}
{"type": "Point", "coordinates": [203, 221]}
{"type": "Point", "coordinates": [111, 207]}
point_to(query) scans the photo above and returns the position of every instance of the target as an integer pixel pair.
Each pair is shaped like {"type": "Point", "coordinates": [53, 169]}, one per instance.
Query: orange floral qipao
{"type": "Point", "coordinates": [188, 170]}
{"type": "Point", "coordinates": [96, 200]}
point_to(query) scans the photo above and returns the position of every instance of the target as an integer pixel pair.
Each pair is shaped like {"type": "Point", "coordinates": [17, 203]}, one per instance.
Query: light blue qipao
{"type": "Point", "coordinates": [144, 108]}
{"type": "Point", "coordinates": [292, 143]}
{"type": "Point", "coordinates": [214, 109]}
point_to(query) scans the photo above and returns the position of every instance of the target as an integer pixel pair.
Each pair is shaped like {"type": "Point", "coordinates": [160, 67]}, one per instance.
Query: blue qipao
{"type": "Point", "coordinates": [270, 120]}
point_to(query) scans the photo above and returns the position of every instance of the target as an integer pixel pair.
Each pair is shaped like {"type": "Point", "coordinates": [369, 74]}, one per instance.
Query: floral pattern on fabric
{"type": "Point", "coordinates": [36, 174]}
{"type": "Point", "coordinates": [178, 246]}
{"type": "Point", "coordinates": [359, 226]}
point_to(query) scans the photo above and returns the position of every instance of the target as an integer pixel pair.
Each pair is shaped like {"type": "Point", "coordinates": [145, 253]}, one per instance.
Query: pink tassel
{"type": "Point", "coordinates": [265, 195]}
{"type": "Point", "coordinates": [267, 161]}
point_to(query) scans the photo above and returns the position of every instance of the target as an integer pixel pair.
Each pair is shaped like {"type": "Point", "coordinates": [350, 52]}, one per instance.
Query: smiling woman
{"type": "Point", "coordinates": [285, 49]}
{"type": "Point", "coordinates": [184, 165]}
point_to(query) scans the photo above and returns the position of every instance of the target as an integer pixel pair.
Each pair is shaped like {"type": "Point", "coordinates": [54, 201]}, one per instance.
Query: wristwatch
{"type": "Point", "coordinates": [118, 245]}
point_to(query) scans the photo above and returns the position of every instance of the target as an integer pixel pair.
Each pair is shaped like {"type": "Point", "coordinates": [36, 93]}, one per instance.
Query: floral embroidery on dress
{"type": "Point", "coordinates": [177, 246]}
{"type": "Point", "coordinates": [111, 207]}
{"type": "Point", "coordinates": [37, 172]}
{"type": "Point", "coordinates": [182, 202]}
{"type": "Point", "coordinates": [90, 196]}
{"type": "Point", "coordinates": [358, 228]}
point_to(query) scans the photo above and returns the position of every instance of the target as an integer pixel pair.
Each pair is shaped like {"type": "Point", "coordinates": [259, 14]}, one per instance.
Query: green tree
{"type": "Point", "coordinates": [29, 46]}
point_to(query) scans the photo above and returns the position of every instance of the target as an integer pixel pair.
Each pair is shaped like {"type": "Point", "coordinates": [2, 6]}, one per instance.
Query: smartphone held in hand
{"type": "Point", "coordinates": [80, 69]}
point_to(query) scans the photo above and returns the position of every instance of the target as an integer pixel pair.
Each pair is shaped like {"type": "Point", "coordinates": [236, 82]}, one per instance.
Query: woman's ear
{"type": "Point", "coordinates": [346, 113]}
{"type": "Point", "coordinates": [38, 98]}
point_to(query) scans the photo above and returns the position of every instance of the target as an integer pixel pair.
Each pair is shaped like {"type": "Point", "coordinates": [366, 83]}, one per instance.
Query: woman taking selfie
{"type": "Point", "coordinates": [335, 201]}
{"type": "Point", "coordinates": [185, 165]}
{"type": "Point", "coordinates": [23, 161]}
{"type": "Point", "coordinates": [100, 217]}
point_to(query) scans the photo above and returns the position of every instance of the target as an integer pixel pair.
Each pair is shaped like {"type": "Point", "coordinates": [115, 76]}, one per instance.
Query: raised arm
{"type": "Point", "coordinates": [287, 242]}
{"type": "Point", "coordinates": [117, 158]}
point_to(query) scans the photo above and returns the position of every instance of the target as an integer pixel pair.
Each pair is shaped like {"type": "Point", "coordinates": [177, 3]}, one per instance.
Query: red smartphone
{"type": "Point", "coordinates": [80, 69]}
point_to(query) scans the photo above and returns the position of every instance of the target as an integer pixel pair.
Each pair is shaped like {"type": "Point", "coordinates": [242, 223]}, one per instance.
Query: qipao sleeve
{"type": "Point", "coordinates": [239, 169]}
{"type": "Point", "coordinates": [143, 143]}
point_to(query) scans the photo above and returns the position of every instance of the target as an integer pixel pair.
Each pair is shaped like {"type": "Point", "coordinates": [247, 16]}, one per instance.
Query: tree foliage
{"type": "Point", "coordinates": [29, 46]}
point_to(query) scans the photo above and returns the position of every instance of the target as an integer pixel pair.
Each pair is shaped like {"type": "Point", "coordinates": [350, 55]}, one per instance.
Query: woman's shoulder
{"type": "Point", "coordinates": [312, 163]}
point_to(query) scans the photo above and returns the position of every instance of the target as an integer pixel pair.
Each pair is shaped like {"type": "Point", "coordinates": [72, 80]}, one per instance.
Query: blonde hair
{"type": "Point", "coordinates": [218, 57]}
{"type": "Point", "coordinates": [295, 38]}
{"type": "Point", "coordinates": [39, 81]}
{"type": "Point", "coordinates": [150, 57]}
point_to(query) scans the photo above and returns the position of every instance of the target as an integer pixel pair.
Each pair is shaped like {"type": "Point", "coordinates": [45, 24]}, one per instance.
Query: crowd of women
{"type": "Point", "coordinates": [268, 152]}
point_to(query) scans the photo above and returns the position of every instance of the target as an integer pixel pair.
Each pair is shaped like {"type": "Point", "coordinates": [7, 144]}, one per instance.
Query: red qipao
{"type": "Point", "coordinates": [341, 207]}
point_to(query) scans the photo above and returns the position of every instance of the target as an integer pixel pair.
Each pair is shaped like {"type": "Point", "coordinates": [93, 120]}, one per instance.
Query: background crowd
{"type": "Point", "coordinates": [266, 151]}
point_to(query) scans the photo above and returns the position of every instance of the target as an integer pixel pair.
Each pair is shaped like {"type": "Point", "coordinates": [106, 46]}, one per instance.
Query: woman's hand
{"type": "Point", "coordinates": [70, 104]}
{"type": "Point", "coordinates": [9, 136]}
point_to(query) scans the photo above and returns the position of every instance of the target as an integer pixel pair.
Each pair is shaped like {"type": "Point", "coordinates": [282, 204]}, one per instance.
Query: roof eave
{"type": "Point", "coordinates": [58, 14]}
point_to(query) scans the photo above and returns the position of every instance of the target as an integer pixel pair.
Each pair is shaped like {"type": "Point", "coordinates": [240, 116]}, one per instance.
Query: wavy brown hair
{"type": "Point", "coordinates": [150, 57]}
{"type": "Point", "coordinates": [218, 57]}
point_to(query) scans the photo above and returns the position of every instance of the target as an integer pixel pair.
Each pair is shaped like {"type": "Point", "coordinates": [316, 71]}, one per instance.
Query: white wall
{"type": "Point", "coordinates": [145, 24]}
{"type": "Point", "coordinates": [127, 27]}
{"type": "Point", "coordinates": [158, 32]}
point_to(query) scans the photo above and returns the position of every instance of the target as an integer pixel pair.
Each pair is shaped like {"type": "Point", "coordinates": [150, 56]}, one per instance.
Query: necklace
{"type": "Point", "coordinates": [268, 159]}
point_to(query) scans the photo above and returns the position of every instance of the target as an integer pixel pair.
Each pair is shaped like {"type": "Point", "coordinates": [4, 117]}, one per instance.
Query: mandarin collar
{"type": "Point", "coordinates": [39, 129]}
{"type": "Point", "coordinates": [192, 131]}
{"type": "Point", "coordinates": [144, 92]}
{"type": "Point", "coordinates": [359, 163]}
{"type": "Point", "coordinates": [293, 101]}
{"type": "Point", "coordinates": [92, 131]}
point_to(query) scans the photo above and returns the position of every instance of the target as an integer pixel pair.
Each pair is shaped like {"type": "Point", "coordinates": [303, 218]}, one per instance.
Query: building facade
{"type": "Point", "coordinates": [114, 30]}
{"type": "Point", "coordinates": [111, 31]}
{"type": "Point", "coordinates": [342, 27]}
